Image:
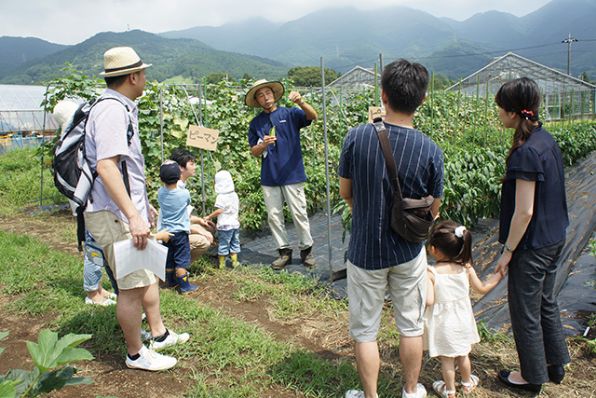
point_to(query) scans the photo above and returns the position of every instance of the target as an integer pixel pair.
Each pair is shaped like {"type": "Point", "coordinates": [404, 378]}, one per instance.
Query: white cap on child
{"type": "Point", "coordinates": [223, 182]}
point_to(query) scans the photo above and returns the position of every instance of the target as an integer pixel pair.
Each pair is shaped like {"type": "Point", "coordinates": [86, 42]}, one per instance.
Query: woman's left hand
{"type": "Point", "coordinates": [503, 263]}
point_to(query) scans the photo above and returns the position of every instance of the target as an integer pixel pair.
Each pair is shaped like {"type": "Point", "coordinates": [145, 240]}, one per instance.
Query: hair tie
{"type": "Point", "coordinates": [526, 114]}
{"type": "Point", "coordinates": [459, 231]}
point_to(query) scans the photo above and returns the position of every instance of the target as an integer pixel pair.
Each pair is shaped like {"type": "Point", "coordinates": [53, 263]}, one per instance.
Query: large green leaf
{"type": "Point", "coordinates": [50, 352]}
{"type": "Point", "coordinates": [69, 355]}
{"type": "Point", "coordinates": [22, 378]}
{"type": "Point", "coordinates": [42, 353]}
{"type": "Point", "coordinates": [8, 389]}
{"type": "Point", "coordinates": [57, 379]}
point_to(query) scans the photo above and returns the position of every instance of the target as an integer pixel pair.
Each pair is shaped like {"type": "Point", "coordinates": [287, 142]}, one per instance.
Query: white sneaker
{"type": "Point", "coordinates": [172, 339]}
{"type": "Point", "coordinates": [355, 394]}
{"type": "Point", "coordinates": [420, 392]}
{"type": "Point", "coordinates": [105, 303]}
{"type": "Point", "coordinates": [151, 360]}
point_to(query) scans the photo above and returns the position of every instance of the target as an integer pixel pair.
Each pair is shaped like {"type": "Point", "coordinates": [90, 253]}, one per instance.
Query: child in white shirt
{"type": "Point", "coordinates": [228, 226]}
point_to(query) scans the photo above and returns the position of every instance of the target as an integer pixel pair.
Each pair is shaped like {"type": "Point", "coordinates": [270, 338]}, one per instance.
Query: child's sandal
{"type": "Point", "coordinates": [442, 391]}
{"type": "Point", "coordinates": [469, 386]}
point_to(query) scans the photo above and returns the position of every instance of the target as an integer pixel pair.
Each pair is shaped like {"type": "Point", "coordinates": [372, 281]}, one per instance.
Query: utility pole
{"type": "Point", "coordinates": [569, 40]}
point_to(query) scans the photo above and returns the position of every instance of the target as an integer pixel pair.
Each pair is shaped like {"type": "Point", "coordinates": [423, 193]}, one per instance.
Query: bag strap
{"type": "Point", "coordinates": [388, 155]}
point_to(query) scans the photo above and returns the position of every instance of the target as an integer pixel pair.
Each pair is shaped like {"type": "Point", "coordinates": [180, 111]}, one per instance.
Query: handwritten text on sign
{"type": "Point", "coordinates": [202, 137]}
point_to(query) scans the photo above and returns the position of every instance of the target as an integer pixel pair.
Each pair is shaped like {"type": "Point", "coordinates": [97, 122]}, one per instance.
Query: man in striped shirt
{"type": "Point", "coordinates": [379, 259]}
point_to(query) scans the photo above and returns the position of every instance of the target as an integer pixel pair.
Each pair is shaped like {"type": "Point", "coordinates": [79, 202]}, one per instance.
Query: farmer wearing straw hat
{"type": "Point", "coordinates": [274, 136]}
{"type": "Point", "coordinates": [119, 209]}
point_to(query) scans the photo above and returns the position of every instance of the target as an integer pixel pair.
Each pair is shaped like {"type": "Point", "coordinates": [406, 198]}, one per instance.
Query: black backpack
{"type": "Point", "coordinates": [410, 218]}
{"type": "Point", "coordinates": [73, 176]}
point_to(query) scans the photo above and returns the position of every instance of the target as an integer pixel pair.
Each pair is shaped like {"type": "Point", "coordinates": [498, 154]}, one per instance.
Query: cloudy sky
{"type": "Point", "coordinates": [72, 21]}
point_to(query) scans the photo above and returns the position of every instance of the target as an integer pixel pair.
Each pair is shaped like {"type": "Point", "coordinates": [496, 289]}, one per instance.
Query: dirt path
{"type": "Point", "coordinates": [320, 336]}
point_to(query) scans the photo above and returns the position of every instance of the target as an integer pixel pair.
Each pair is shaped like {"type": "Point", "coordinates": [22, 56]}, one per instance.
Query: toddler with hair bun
{"type": "Point", "coordinates": [450, 327]}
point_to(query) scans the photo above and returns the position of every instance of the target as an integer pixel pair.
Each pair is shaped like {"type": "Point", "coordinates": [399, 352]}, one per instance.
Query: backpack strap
{"type": "Point", "coordinates": [388, 155]}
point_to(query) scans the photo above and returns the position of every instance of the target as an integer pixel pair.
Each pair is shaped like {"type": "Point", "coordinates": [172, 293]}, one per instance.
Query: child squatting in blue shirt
{"type": "Point", "coordinates": [173, 202]}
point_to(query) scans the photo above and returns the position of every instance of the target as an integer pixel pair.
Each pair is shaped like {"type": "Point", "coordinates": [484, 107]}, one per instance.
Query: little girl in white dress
{"type": "Point", "coordinates": [450, 325]}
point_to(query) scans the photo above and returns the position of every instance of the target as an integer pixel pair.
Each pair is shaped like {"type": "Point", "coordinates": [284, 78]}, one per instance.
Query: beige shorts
{"type": "Point", "coordinates": [406, 284]}
{"type": "Point", "coordinates": [107, 229]}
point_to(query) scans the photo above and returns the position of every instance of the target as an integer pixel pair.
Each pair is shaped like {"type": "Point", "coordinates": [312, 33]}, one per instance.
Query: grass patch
{"type": "Point", "coordinates": [20, 173]}
{"type": "Point", "coordinates": [292, 295]}
{"type": "Point", "coordinates": [46, 282]}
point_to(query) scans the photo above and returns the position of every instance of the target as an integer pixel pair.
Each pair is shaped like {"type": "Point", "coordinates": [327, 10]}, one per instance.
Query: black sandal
{"type": "Point", "coordinates": [504, 378]}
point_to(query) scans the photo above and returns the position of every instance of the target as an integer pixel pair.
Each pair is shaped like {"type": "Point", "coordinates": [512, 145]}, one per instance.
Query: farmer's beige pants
{"type": "Point", "coordinates": [294, 196]}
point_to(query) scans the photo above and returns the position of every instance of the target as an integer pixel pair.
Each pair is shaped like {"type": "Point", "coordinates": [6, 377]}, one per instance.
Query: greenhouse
{"type": "Point", "coordinates": [355, 78]}
{"type": "Point", "coordinates": [564, 96]}
{"type": "Point", "coordinates": [23, 121]}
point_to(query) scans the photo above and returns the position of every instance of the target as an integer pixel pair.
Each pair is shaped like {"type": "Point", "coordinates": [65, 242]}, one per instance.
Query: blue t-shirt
{"type": "Point", "coordinates": [282, 163]}
{"type": "Point", "coordinates": [173, 209]}
{"type": "Point", "coordinates": [538, 159]}
{"type": "Point", "coordinates": [373, 244]}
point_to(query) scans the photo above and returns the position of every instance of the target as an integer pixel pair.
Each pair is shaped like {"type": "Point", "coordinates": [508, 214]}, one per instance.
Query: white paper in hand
{"type": "Point", "coordinates": [129, 259]}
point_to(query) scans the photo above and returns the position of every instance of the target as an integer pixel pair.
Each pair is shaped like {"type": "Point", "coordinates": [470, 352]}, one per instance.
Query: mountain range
{"type": "Point", "coordinates": [344, 37]}
{"type": "Point", "coordinates": [170, 57]}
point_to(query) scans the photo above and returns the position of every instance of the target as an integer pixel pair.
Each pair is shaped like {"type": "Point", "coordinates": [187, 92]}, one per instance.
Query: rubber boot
{"type": "Point", "coordinates": [222, 262]}
{"type": "Point", "coordinates": [235, 262]}
{"type": "Point", "coordinates": [184, 286]}
{"type": "Point", "coordinates": [285, 257]}
{"type": "Point", "coordinates": [307, 258]}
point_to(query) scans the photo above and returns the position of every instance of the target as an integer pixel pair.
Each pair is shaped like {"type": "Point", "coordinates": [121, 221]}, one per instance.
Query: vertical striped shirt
{"type": "Point", "coordinates": [373, 244]}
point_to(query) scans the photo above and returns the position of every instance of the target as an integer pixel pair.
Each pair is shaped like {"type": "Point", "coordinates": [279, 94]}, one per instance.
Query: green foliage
{"type": "Point", "coordinates": [216, 77]}
{"type": "Point", "coordinates": [20, 172]}
{"type": "Point", "coordinates": [576, 140]}
{"type": "Point", "coordinates": [310, 76]}
{"type": "Point", "coordinates": [467, 129]}
{"type": "Point", "coordinates": [490, 336]}
{"type": "Point", "coordinates": [50, 352]}
{"type": "Point", "coordinates": [50, 355]}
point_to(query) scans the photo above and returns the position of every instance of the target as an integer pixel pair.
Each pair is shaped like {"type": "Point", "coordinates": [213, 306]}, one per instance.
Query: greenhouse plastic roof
{"type": "Point", "coordinates": [20, 109]}
{"type": "Point", "coordinates": [512, 66]}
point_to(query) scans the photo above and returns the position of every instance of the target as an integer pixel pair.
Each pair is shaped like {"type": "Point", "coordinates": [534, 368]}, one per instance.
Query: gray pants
{"type": "Point", "coordinates": [535, 318]}
{"type": "Point", "coordinates": [294, 196]}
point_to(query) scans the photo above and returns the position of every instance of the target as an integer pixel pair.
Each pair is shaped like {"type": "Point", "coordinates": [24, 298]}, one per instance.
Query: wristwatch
{"type": "Point", "coordinates": [507, 248]}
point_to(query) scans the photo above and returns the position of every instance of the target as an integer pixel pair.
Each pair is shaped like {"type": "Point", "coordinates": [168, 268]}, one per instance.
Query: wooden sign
{"type": "Point", "coordinates": [375, 111]}
{"type": "Point", "coordinates": [202, 137]}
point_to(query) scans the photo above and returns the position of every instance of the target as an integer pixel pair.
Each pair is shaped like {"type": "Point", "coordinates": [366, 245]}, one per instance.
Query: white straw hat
{"type": "Point", "coordinates": [276, 87]}
{"type": "Point", "coordinates": [120, 61]}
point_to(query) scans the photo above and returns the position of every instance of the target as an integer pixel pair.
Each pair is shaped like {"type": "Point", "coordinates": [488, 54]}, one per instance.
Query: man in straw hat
{"type": "Point", "coordinates": [120, 209]}
{"type": "Point", "coordinates": [274, 135]}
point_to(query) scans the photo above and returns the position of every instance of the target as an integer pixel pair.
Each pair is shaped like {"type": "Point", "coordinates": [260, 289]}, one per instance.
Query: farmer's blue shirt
{"type": "Point", "coordinates": [373, 244]}
{"type": "Point", "coordinates": [283, 163]}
